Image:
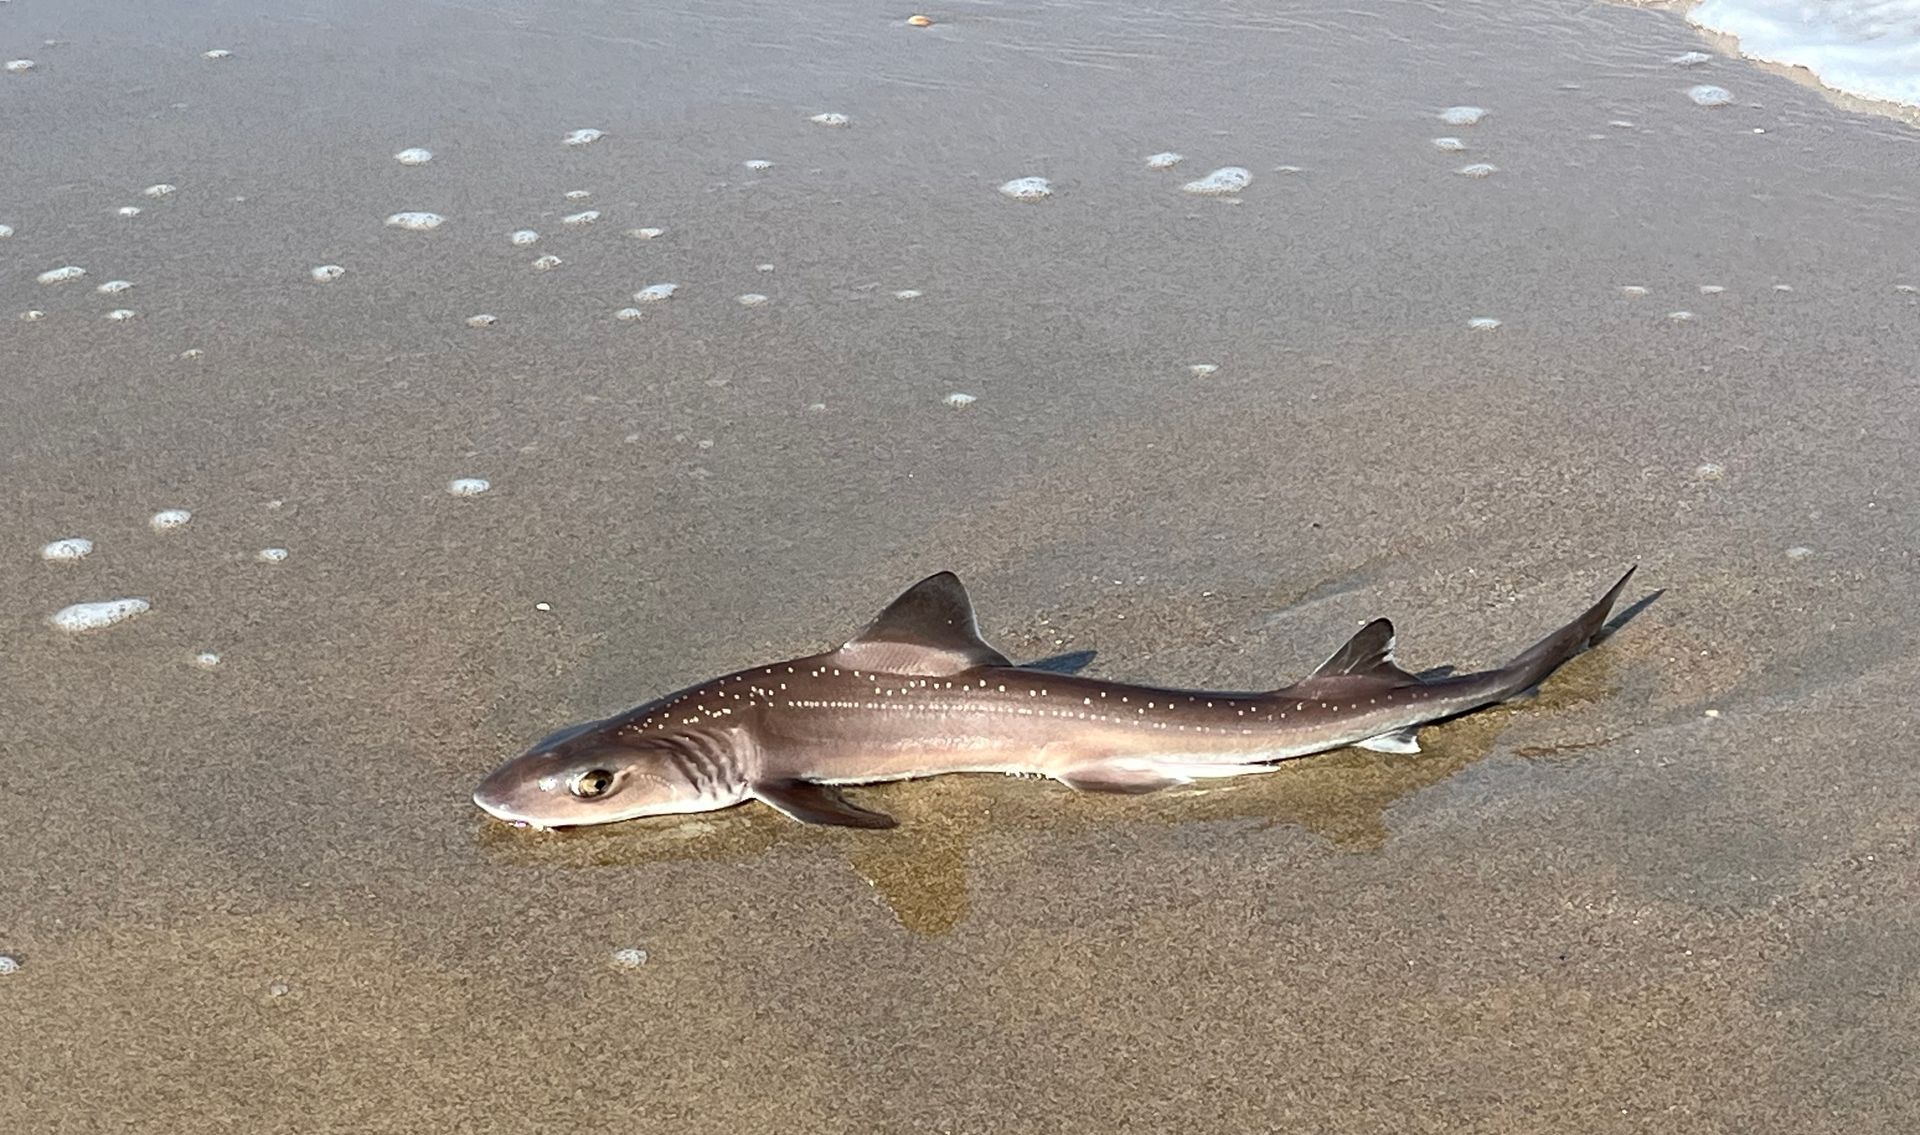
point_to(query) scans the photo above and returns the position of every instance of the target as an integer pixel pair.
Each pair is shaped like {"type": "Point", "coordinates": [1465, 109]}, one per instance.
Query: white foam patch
{"type": "Point", "coordinates": [32, 315]}
{"type": "Point", "coordinates": [104, 613]}
{"type": "Point", "coordinates": [1202, 370]}
{"type": "Point", "coordinates": [413, 156]}
{"type": "Point", "coordinates": [1028, 189]}
{"type": "Point", "coordinates": [830, 118]}
{"type": "Point", "coordinates": [5, 231]}
{"type": "Point", "coordinates": [655, 293]}
{"type": "Point", "coordinates": [206, 660]}
{"type": "Point", "coordinates": [523, 236]}
{"type": "Point", "coordinates": [327, 273]}
{"type": "Point", "coordinates": [584, 137]}
{"type": "Point", "coordinates": [167, 519]}
{"type": "Point", "coordinates": [1706, 94]}
{"type": "Point", "coordinates": [908, 294]}
{"type": "Point", "coordinates": [645, 234]}
{"type": "Point", "coordinates": [577, 194]}
{"type": "Point", "coordinates": [217, 54]}
{"type": "Point", "coordinates": [67, 550]}
{"type": "Point", "coordinates": [416, 222]}
{"type": "Point", "coordinates": [1690, 59]}
{"type": "Point", "coordinates": [586, 218]}
{"type": "Point", "coordinates": [1478, 169]}
{"type": "Point", "coordinates": [751, 299]}
{"type": "Point", "coordinates": [482, 320]}
{"type": "Point", "coordinates": [1680, 316]}
{"type": "Point", "coordinates": [629, 958]}
{"type": "Point", "coordinates": [629, 314]}
{"type": "Point", "coordinates": [1483, 323]}
{"type": "Point", "coordinates": [958, 400]}
{"type": "Point", "coordinates": [160, 190]}
{"type": "Point", "coordinates": [62, 275]}
{"type": "Point", "coordinates": [1223, 181]}
{"type": "Point", "coordinates": [1869, 48]}
{"type": "Point", "coordinates": [271, 555]}
{"type": "Point", "coordinates": [1711, 289]}
{"type": "Point", "coordinates": [468, 486]}
{"type": "Point", "coordinates": [128, 210]}
{"type": "Point", "coordinates": [757, 164]}
{"type": "Point", "coordinates": [1634, 290]}
{"type": "Point", "coordinates": [763, 267]}
{"type": "Point", "coordinates": [1166, 160]}
{"type": "Point", "coordinates": [1462, 115]}
{"type": "Point", "coordinates": [114, 287]}
{"type": "Point", "coordinates": [1451, 145]}
{"type": "Point", "coordinates": [18, 66]}
{"type": "Point", "coordinates": [120, 315]}
{"type": "Point", "coordinates": [547, 263]}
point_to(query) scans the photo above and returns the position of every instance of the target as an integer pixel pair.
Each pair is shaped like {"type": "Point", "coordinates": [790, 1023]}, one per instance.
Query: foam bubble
{"type": "Point", "coordinates": [5, 231]}
{"type": "Point", "coordinates": [160, 190]}
{"type": "Point", "coordinates": [1799, 552]}
{"type": "Point", "coordinates": [1462, 115]}
{"type": "Point", "coordinates": [168, 519]}
{"type": "Point", "coordinates": [547, 263]}
{"type": "Point", "coordinates": [1165, 160]}
{"type": "Point", "coordinates": [958, 400]}
{"type": "Point", "coordinates": [655, 293]}
{"type": "Point", "coordinates": [192, 353]}
{"type": "Point", "coordinates": [32, 315]}
{"type": "Point", "coordinates": [271, 555]}
{"type": "Point", "coordinates": [68, 549]}
{"type": "Point", "coordinates": [763, 267]}
{"type": "Point", "coordinates": [413, 156]}
{"type": "Point", "coordinates": [62, 275]}
{"type": "Point", "coordinates": [93, 616]}
{"type": "Point", "coordinates": [830, 118]}
{"type": "Point", "coordinates": [523, 236]}
{"type": "Point", "coordinates": [1711, 289]}
{"type": "Point", "coordinates": [120, 314]}
{"type": "Point", "coordinates": [577, 194]}
{"type": "Point", "coordinates": [18, 66]}
{"type": "Point", "coordinates": [1202, 370]}
{"type": "Point", "coordinates": [584, 137]}
{"type": "Point", "coordinates": [327, 273]}
{"type": "Point", "coordinates": [468, 486]}
{"type": "Point", "coordinates": [751, 299]}
{"type": "Point", "coordinates": [1483, 323]}
{"type": "Point", "coordinates": [8, 965]}
{"type": "Point", "coordinates": [1451, 145]}
{"type": "Point", "coordinates": [908, 294]}
{"type": "Point", "coordinates": [629, 957]}
{"type": "Point", "coordinates": [416, 222]}
{"type": "Point", "coordinates": [1478, 169]}
{"type": "Point", "coordinates": [128, 210]}
{"type": "Point", "coordinates": [1706, 94]}
{"type": "Point", "coordinates": [629, 314]}
{"type": "Point", "coordinates": [482, 320]}
{"type": "Point", "coordinates": [217, 53]}
{"type": "Point", "coordinates": [1225, 180]}
{"type": "Point", "coordinates": [1680, 316]}
{"type": "Point", "coordinates": [1783, 287]}
{"type": "Point", "coordinates": [1690, 59]}
{"type": "Point", "coordinates": [1028, 189]}
{"type": "Point", "coordinates": [1634, 290]}
{"type": "Point", "coordinates": [113, 287]}
{"type": "Point", "coordinates": [757, 164]}
{"type": "Point", "coordinates": [206, 660]}
{"type": "Point", "coordinates": [645, 234]}
{"type": "Point", "coordinates": [586, 218]}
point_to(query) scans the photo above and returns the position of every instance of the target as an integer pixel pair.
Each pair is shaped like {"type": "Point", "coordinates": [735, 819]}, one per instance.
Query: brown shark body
{"type": "Point", "coordinates": [919, 693]}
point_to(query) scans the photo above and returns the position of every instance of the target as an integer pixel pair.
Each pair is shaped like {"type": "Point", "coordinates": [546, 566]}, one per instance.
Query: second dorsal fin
{"type": "Point", "coordinates": [1368, 654]}
{"type": "Point", "coordinates": [929, 631]}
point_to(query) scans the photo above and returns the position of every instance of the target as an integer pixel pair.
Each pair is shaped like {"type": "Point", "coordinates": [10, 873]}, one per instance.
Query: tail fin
{"type": "Point", "coordinates": [1545, 656]}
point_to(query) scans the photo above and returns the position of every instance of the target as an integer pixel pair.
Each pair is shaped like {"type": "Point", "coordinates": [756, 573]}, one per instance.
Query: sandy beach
{"type": "Point", "coordinates": [1204, 436]}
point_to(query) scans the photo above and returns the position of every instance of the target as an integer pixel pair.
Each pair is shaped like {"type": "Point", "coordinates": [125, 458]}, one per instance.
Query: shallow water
{"type": "Point", "coordinates": [1676, 888]}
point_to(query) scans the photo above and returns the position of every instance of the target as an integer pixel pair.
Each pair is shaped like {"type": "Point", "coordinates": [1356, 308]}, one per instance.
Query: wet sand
{"type": "Point", "coordinates": [1676, 890]}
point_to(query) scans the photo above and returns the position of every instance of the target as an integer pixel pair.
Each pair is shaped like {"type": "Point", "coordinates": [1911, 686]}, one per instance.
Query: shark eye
{"type": "Point", "coordinates": [591, 783]}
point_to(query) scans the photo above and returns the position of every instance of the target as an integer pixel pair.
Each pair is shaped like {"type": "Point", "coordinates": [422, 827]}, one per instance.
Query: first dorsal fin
{"type": "Point", "coordinates": [929, 630]}
{"type": "Point", "coordinates": [1368, 654]}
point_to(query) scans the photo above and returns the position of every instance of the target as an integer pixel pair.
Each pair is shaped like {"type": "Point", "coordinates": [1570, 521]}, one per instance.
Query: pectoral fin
{"type": "Point", "coordinates": [812, 803]}
{"type": "Point", "coordinates": [1127, 778]}
{"type": "Point", "coordinates": [1398, 741]}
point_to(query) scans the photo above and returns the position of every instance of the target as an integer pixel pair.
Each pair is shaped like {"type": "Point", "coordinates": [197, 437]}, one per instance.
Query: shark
{"type": "Point", "coordinates": [920, 693]}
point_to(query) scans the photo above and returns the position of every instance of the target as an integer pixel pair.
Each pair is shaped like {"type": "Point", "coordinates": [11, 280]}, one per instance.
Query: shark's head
{"type": "Point", "coordinates": [578, 777]}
